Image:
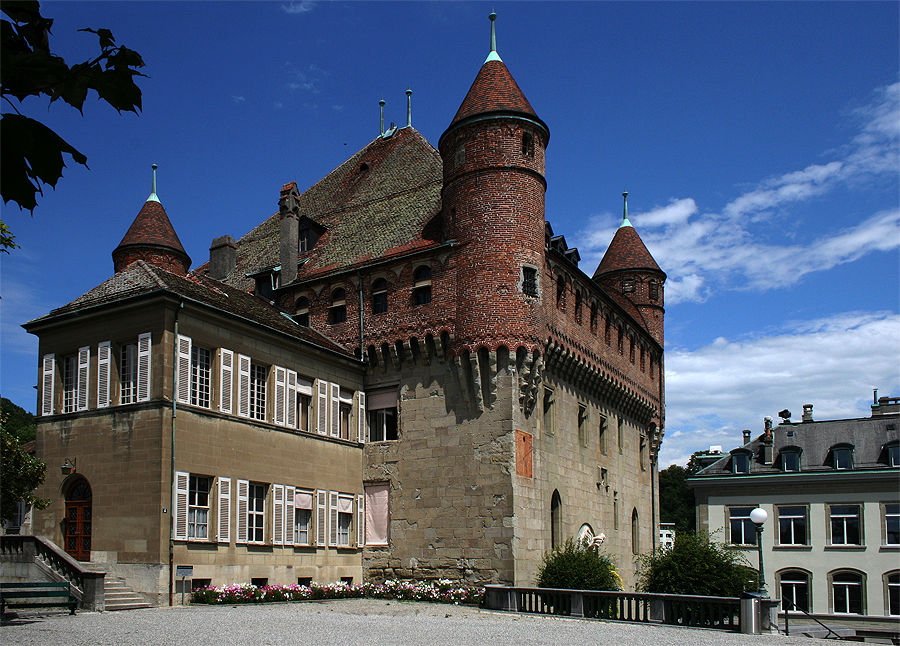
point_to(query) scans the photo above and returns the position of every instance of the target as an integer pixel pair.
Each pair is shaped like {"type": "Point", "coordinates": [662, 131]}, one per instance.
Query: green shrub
{"type": "Point", "coordinates": [575, 566]}
{"type": "Point", "coordinates": [696, 565]}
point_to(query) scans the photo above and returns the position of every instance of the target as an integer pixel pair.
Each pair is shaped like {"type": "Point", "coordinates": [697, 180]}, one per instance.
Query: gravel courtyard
{"type": "Point", "coordinates": [351, 622]}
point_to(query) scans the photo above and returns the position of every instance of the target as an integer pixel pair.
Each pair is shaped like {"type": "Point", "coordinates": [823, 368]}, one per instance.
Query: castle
{"type": "Point", "coordinates": [403, 373]}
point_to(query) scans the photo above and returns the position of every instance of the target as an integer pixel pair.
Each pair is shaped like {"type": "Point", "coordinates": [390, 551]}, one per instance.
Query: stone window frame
{"type": "Point", "coordinates": [860, 582]}
{"type": "Point", "coordinates": [422, 291]}
{"type": "Point", "coordinates": [548, 410]}
{"type": "Point", "coordinates": [379, 295]}
{"type": "Point", "coordinates": [337, 311]}
{"type": "Point", "coordinates": [892, 515]}
{"type": "Point", "coordinates": [748, 528]}
{"type": "Point", "coordinates": [806, 524]}
{"type": "Point", "coordinates": [603, 435]}
{"type": "Point", "coordinates": [830, 524]}
{"type": "Point", "coordinates": [530, 287]}
{"type": "Point", "coordinates": [582, 420]}
{"type": "Point", "coordinates": [806, 582]}
{"type": "Point", "coordinates": [887, 584]}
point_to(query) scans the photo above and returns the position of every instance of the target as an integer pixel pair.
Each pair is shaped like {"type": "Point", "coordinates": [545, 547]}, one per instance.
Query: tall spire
{"type": "Point", "coordinates": [493, 56]}
{"type": "Point", "coordinates": [153, 197]}
{"type": "Point", "coordinates": [625, 222]}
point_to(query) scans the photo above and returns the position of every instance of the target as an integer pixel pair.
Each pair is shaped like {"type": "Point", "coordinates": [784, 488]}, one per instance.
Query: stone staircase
{"type": "Point", "coordinates": [121, 597]}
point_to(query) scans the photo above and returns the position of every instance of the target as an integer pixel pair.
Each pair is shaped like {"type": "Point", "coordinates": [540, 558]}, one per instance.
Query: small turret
{"type": "Point", "coordinates": [628, 268]}
{"type": "Point", "coordinates": [152, 238]}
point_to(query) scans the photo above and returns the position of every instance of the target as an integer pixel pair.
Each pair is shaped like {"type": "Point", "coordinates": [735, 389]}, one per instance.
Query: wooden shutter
{"type": "Point", "coordinates": [183, 370]}
{"type": "Point", "coordinates": [278, 514]}
{"type": "Point", "coordinates": [48, 383]}
{"type": "Point", "coordinates": [280, 394]}
{"type": "Point", "coordinates": [333, 516]}
{"type": "Point", "coordinates": [103, 374]}
{"type": "Point", "coordinates": [360, 520]}
{"type": "Point", "coordinates": [335, 404]}
{"type": "Point", "coordinates": [243, 385]}
{"type": "Point", "coordinates": [143, 376]}
{"type": "Point", "coordinates": [84, 365]}
{"type": "Point", "coordinates": [361, 416]}
{"type": "Point", "coordinates": [321, 517]}
{"type": "Point", "coordinates": [224, 510]}
{"type": "Point", "coordinates": [180, 505]}
{"type": "Point", "coordinates": [243, 502]}
{"type": "Point", "coordinates": [322, 406]}
{"type": "Point", "coordinates": [290, 404]}
{"type": "Point", "coordinates": [289, 493]}
{"type": "Point", "coordinates": [226, 379]}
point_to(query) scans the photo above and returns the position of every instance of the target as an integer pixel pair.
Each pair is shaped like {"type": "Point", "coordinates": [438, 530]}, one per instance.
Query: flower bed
{"type": "Point", "coordinates": [442, 591]}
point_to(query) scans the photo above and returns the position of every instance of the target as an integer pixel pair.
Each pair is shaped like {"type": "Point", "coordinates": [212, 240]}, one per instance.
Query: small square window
{"type": "Point", "coordinates": [529, 281]}
{"type": "Point", "coordinates": [790, 461]}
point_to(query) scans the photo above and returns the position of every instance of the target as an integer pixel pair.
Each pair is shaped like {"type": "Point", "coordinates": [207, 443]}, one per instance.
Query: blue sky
{"type": "Point", "coordinates": [758, 143]}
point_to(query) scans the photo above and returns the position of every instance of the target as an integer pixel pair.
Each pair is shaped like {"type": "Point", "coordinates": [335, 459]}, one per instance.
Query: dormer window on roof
{"type": "Point", "coordinates": [740, 461]}
{"type": "Point", "coordinates": [841, 456]}
{"type": "Point", "coordinates": [892, 453]}
{"type": "Point", "coordinates": [790, 458]}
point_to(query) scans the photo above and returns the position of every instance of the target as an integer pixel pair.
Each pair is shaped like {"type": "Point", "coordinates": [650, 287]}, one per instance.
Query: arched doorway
{"type": "Point", "coordinates": [77, 526]}
{"type": "Point", "coordinates": [556, 530]}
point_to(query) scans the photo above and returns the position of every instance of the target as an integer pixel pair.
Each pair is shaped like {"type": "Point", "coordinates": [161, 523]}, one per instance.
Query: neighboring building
{"type": "Point", "coordinates": [832, 492]}
{"type": "Point", "coordinates": [666, 535]}
{"type": "Point", "coordinates": [405, 352]}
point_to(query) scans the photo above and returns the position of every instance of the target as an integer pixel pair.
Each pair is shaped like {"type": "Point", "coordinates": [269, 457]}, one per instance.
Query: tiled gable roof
{"type": "Point", "coordinates": [152, 227]}
{"type": "Point", "coordinates": [626, 251]}
{"type": "Point", "coordinates": [494, 90]}
{"type": "Point", "coordinates": [141, 278]}
{"type": "Point", "coordinates": [377, 204]}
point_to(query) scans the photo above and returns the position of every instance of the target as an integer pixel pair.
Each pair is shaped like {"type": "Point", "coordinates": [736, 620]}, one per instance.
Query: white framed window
{"type": "Point", "coordinates": [742, 530]}
{"type": "Point", "coordinates": [382, 406]}
{"type": "Point", "coordinates": [70, 383]}
{"type": "Point", "coordinates": [891, 515]}
{"type": "Point", "coordinates": [256, 513]}
{"type": "Point", "coordinates": [740, 462]}
{"type": "Point", "coordinates": [346, 412]}
{"type": "Point", "coordinates": [795, 589]}
{"type": "Point", "coordinates": [792, 525]}
{"type": "Point", "coordinates": [892, 593]}
{"type": "Point", "coordinates": [848, 592]}
{"type": "Point", "coordinates": [258, 375]}
{"type": "Point", "coordinates": [303, 510]}
{"type": "Point", "coordinates": [128, 373]}
{"type": "Point", "coordinates": [341, 512]}
{"type": "Point", "coordinates": [200, 372]}
{"type": "Point", "coordinates": [198, 507]}
{"type": "Point", "coordinates": [304, 404]}
{"type": "Point", "coordinates": [845, 524]}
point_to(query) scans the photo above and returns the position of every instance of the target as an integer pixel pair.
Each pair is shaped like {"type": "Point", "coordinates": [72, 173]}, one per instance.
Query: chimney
{"type": "Point", "coordinates": [807, 413]}
{"type": "Point", "coordinates": [289, 212]}
{"type": "Point", "coordinates": [222, 257]}
{"type": "Point", "coordinates": [746, 433]}
{"type": "Point", "coordinates": [767, 442]}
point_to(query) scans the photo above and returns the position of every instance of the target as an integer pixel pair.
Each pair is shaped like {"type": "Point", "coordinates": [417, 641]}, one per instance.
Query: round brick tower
{"type": "Point", "coordinates": [493, 203]}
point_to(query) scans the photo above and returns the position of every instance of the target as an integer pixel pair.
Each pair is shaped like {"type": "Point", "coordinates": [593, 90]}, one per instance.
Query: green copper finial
{"type": "Point", "coordinates": [153, 197]}
{"type": "Point", "coordinates": [625, 222]}
{"type": "Point", "coordinates": [493, 56]}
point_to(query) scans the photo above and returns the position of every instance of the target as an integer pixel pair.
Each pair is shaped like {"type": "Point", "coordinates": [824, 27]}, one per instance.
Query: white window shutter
{"type": "Point", "coordinates": [335, 404]}
{"type": "Point", "coordinates": [360, 520]}
{"type": "Point", "coordinates": [243, 385]}
{"type": "Point", "coordinates": [183, 370]}
{"type": "Point", "coordinates": [321, 517]}
{"type": "Point", "coordinates": [103, 374]}
{"type": "Point", "coordinates": [180, 505]}
{"type": "Point", "coordinates": [333, 517]}
{"type": "Point", "coordinates": [84, 365]}
{"type": "Point", "coordinates": [226, 379]}
{"type": "Point", "coordinates": [361, 416]}
{"type": "Point", "coordinates": [290, 404]}
{"type": "Point", "coordinates": [278, 514]}
{"type": "Point", "coordinates": [224, 510]}
{"type": "Point", "coordinates": [48, 383]}
{"type": "Point", "coordinates": [289, 493]}
{"type": "Point", "coordinates": [143, 385]}
{"type": "Point", "coordinates": [322, 406]}
{"type": "Point", "coordinates": [243, 502]}
{"type": "Point", "coordinates": [280, 394]}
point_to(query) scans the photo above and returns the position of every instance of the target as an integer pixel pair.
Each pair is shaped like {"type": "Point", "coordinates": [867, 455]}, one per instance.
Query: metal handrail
{"type": "Point", "coordinates": [787, 628]}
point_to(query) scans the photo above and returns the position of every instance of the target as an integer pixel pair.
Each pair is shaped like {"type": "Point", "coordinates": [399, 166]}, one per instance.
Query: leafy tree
{"type": "Point", "coordinates": [19, 421]}
{"type": "Point", "coordinates": [576, 566]}
{"type": "Point", "coordinates": [676, 499]}
{"type": "Point", "coordinates": [32, 153]}
{"type": "Point", "coordinates": [22, 474]}
{"type": "Point", "coordinates": [696, 565]}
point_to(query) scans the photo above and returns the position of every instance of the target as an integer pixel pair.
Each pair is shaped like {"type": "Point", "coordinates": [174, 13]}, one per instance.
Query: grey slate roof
{"type": "Point", "coordinates": [868, 436]}
{"type": "Point", "coordinates": [141, 278]}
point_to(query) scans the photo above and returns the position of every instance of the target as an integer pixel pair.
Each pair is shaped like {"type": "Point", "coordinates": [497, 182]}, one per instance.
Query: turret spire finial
{"type": "Point", "coordinates": [408, 107]}
{"type": "Point", "coordinates": [381, 103]}
{"type": "Point", "coordinates": [153, 197]}
{"type": "Point", "coordinates": [625, 222]}
{"type": "Point", "coordinates": [493, 56]}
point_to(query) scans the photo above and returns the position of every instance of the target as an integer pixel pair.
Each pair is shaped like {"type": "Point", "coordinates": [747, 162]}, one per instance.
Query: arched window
{"type": "Point", "coordinates": [379, 296]}
{"type": "Point", "coordinates": [593, 318]}
{"type": "Point", "coordinates": [422, 290]}
{"type": "Point", "coordinates": [528, 144]}
{"type": "Point", "coordinates": [794, 585]}
{"type": "Point", "coordinates": [561, 293]}
{"type": "Point", "coordinates": [892, 592]}
{"type": "Point", "coordinates": [607, 334]}
{"type": "Point", "coordinates": [635, 533]}
{"type": "Point", "coordinates": [578, 299]}
{"type": "Point", "coordinates": [847, 592]}
{"type": "Point", "coordinates": [338, 313]}
{"type": "Point", "coordinates": [302, 311]}
{"type": "Point", "coordinates": [556, 533]}
{"type": "Point", "coordinates": [631, 348]}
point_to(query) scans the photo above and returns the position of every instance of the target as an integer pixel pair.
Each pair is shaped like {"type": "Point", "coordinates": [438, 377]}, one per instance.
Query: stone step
{"type": "Point", "coordinates": [119, 596]}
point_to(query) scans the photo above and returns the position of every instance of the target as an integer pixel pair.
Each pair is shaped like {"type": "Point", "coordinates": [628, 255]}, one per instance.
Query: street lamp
{"type": "Point", "coordinates": [759, 516]}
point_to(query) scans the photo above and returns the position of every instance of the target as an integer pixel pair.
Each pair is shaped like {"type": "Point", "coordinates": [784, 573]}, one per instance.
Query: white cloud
{"type": "Point", "coordinates": [298, 7]}
{"type": "Point", "coordinates": [703, 252]}
{"type": "Point", "coordinates": [834, 363]}
{"type": "Point", "coordinates": [238, 99]}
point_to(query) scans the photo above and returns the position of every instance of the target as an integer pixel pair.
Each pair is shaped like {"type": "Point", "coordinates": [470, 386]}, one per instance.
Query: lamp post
{"type": "Point", "coordinates": [759, 516]}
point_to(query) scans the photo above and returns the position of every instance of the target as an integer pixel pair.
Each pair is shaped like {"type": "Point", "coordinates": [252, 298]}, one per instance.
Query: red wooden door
{"type": "Point", "coordinates": [78, 522]}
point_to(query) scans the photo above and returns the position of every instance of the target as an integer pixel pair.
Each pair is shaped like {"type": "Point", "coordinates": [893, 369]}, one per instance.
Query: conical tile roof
{"type": "Point", "coordinates": [626, 252]}
{"type": "Point", "coordinates": [151, 230]}
{"type": "Point", "coordinates": [494, 90]}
